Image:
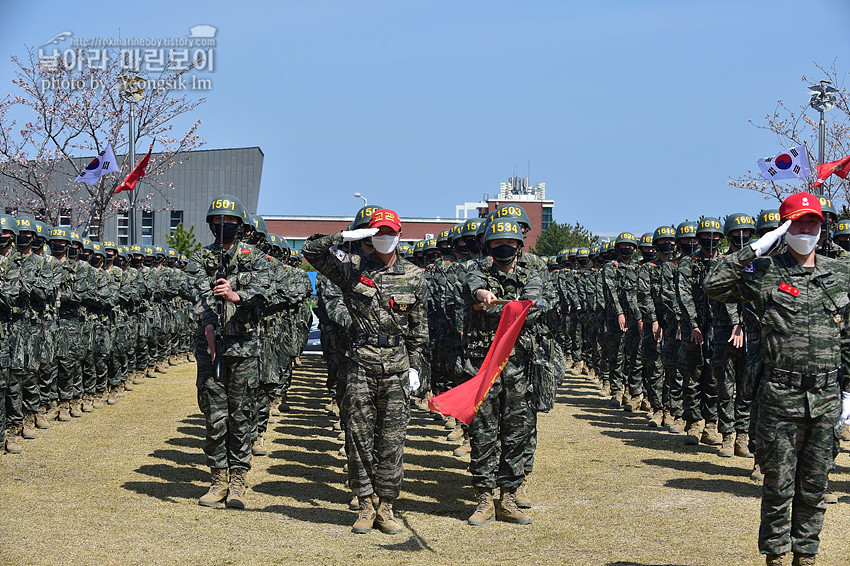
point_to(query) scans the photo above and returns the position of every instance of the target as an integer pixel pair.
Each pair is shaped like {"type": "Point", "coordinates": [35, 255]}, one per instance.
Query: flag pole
{"type": "Point", "coordinates": [132, 164]}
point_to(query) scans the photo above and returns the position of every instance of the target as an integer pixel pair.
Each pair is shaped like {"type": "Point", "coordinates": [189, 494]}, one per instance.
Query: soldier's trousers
{"type": "Point", "coordinates": [531, 445]}
{"type": "Point", "coordinates": [624, 363]}
{"type": "Point", "coordinates": [48, 374]}
{"type": "Point", "coordinates": [228, 408]}
{"type": "Point", "coordinates": [576, 338]}
{"type": "Point", "coordinates": [501, 430]}
{"type": "Point", "coordinates": [672, 393]}
{"type": "Point", "coordinates": [376, 405]}
{"type": "Point", "coordinates": [796, 455]}
{"type": "Point", "coordinates": [22, 395]}
{"type": "Point", "coordinates": [691, 366]}
{"type": "Point", "coordinates": [262, 409]}
{"type": "Point", "coordinates": [653, 372]}
{"type": "Point", "coordinates": [728, 364]}
{"type": "Point", "coordinates": [568, 336]}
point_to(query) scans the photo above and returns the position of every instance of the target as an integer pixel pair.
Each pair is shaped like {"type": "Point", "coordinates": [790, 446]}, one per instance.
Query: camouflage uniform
{"type": "Point", "coordinates": [649, 300]}
{"type": "Point", "coordinates": [334, 322]}
{"type": "Point", "coordinates": [699, 402]}
{"type": "Point", "coordinates": [390, 329]}
{"type": "Point", "coordinates": [228, 405]}
{"type": "Point", "coordinates": [805, 340]}
{"type": "Point", "coordinates": [620, 285]}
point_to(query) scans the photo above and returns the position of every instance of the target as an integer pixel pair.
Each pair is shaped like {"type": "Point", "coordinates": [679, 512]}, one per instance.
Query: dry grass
{"type": "Point", "coordinates": [121, 487]}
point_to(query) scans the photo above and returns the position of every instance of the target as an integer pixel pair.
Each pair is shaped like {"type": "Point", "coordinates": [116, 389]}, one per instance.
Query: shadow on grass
{"type": "Point", "coordinates": [642, 564]}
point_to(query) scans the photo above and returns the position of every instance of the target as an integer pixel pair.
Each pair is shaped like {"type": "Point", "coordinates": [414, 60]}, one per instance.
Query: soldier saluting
{"type": "Point", "coordinates": [386, 299]}
{"type": "Point", "coordinates": [802, 302]}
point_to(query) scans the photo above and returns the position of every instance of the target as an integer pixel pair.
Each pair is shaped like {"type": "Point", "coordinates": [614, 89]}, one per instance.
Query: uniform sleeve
{"type": "Point", "coordinates": [644, 295]}
{"type": "Point", "coordinates": [725, 281]}
{"type": "Point", "coordinates": [256, 290]}
{"type": "Point", "coordinates": [337, 267]}
{"type": "Point", "coordinates": [609, 288]}
{"type": "Point", "coordinates": [416, 337]}
{"type": "Point", "coordinates": [685, 294]}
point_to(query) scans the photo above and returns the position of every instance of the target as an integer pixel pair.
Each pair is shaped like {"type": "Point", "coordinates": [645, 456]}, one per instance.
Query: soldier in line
{"type": "Point", "coordinates": [386, 299]}
{"type": "Point", "coordinates": [802, 301]}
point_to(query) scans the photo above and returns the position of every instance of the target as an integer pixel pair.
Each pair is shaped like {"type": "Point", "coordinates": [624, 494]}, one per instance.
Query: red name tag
{"type": "Point", "coordinates": [245, 251]}
{"type": "Point", "coordinates": [793, 291]}
{"type": "Point", "coordinates": [366, 281]}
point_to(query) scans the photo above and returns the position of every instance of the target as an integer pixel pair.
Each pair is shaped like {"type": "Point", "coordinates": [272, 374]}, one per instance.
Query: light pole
{"type": "Point", "coordinates": [822, 100]}
{"type": "Point", "coordinates": [358, 195]}
{"type": "Point", "coordinates": [130, 88]}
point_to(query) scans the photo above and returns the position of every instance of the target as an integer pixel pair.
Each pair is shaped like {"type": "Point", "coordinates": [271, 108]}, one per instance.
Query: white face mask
{"type": "Point", "coordinates": [385, 244]}
{"type": "Point", "coordinates": [802, 243]}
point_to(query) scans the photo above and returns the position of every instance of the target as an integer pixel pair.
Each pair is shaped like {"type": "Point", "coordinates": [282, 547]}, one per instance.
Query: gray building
{"type": "Point", "coordinates": [203, 175]}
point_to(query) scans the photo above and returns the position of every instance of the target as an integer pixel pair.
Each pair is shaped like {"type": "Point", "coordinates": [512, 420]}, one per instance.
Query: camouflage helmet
{"type": "Point", "coordinates": [709, 225]}
{"type": "Point", "coordinates": [454, 232]}
{"type": "Point", "coordinates": [504, 228]}
{"type": "Point", "coordinates": [583, 253]}
{"type": "Point", "coordinates": [443, 236]}
{"type": "Point", "coordinates": [686, 230]}
{"type": "Point", "coordinates": [419, 246]}
{"type": "Point", "coordinates": [842, 228]}
{"type": "Point", "coordinates": [42, 229]}
{"type": "Point", "coordinates": [471, 227]}
{"type": "Point", "coordinates": [626, 238]}
{"type": "Point", "coordinates": [97, 249]}
{"type": "Point", "coordinates": [227, 205]}
{"type": "Point", "coordinates": [573, 252]}
{"type": "Point", "coordinates": [8, 222]}
{"type": "Point", "coordinates": [160, 251]}
{"type": "Point", "coordinates": [109, 245]}
{"type": "Point", "coordinates": [645, 240]}
{"type": "Point", "coordinates": [429, 244]}
{"type": "Point", "coordinates": [26, 224]}
{"type": "Point", "coordinates": [256, 221]}
{"type": "Point", "coordinates": [767, 220]}
{"type": "Point", "coordinates": [136, 249]}
{"type": "Point", "coordinates": [172, 254]}
{"type": "Point", "coordinates": [361, 219]}
{"type": "Point", "coordinates": [149, 251]}
{"type": "Point", "coordinates": [60, 233]}
{"type": "Point", "coordinates": [738, 221]}
{"type": "Point", "coordinates": [663, 232]}
{"type": "Point", "coordinates": [514, 211]}
{"type": "Point", "coordinates": [828, 208]}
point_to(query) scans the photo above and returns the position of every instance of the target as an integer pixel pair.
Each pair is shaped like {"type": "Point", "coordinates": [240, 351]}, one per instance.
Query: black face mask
{"type": "Point", "coordinates": [504, 254]}
{"type": "Point", "coordinates": [84, 256]}
{"type": "Point", "coordinates": [229, 230]}
{"type": "Point", "coordinates": [58, 248]}
{"type": "Point", "coordinates": [689, 249]}
{"type": "Point", "coordinates": [73, 253]}
{"type": "Point", "coordinates": [710, 245]}
{"type": "Point", "coordinates": [583, 262]}
{"type": "Point", "coordinates": [462, 248]}
{"type": "Point", "coordinates": [666, 247]}
{"type": "Point", "coordinates": [148, 262]}
{"type": "Point", "coordinates": [472, 245]}
{"type": "Point", "coordinates": [446, 252]}
{"type": "Point", "coordinates": [625, 253]}
{"type": "Point", "coordinates": [96, 261]}
{"type": "Point", "coordinates": [6, 240]}
{"type": "Point", "coordinates": [431, 257]}
{"type": "Point", "coordinates": [119, 261]}
{"type": "Point", "coordinates": [136, 262]}
{"type": "Point", "coordinates": [38, 245]}
{"type": "Point", "coordinates": [24, 240]}
{"type": "Point", "coordinates": [844, 244]}
{"type": "Point", "coordinates": [649, 255]}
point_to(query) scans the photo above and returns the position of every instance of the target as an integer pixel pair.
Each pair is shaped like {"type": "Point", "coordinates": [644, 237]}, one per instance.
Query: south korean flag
{"type": "Point", "coordinates": [788, 164]}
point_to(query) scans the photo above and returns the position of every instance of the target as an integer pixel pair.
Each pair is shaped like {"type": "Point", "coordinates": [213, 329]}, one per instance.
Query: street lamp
{"type": "Point", "coordinates": [822, 100]}
{"type": "Point", "coordinates": [358, 195]}
{"type": "Point", "coordinates": [131, 87]}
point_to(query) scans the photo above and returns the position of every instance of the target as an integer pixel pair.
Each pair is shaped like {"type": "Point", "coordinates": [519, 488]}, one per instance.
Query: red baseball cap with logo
{"type": "Point", "coordinates": [800, 204]}
{"type": "Point", "coordinates": [387, 217]}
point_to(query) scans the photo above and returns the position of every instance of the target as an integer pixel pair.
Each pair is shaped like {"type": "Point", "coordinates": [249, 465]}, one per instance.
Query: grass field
{"type": "Point", "coordinates": [120, 486]}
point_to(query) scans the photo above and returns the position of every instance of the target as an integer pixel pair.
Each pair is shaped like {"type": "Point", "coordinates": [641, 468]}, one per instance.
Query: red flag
{"type": "Point", "coordinates": [463, 401]}
{"type": "Point", "coordinates": [130, 182]}
{"type": "Point", "coordinates": [840, 168]}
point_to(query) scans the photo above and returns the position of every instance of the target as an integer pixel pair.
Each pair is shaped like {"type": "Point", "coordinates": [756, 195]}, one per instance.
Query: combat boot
{"type": "Point", "coordinates": [284, 405]}
{"type": "Point", "coordinates": [51, 412]}
{"type": "Point", "coordinates": [645, 405]}
{"type": "Point", "coordinates": [97, 400]}
{"type": "Point", "coordinates": [656, 418]}
{"type": "Point", "coordinates": [693, 431]}
{"type": "Point", "coordinates": [616, 399]}
{"type": "Point", "coordinates": [64, 411]}
{"type": "Point", "coordinates": [384, 519]}
{"type": "Point", "coordinates": [41, 418]}
{"type": "Point", "coordinates": [172, 360]}
{"type": "Point", "coordinates": [13, 440]}
{"type": "Point", "coordinates": [274, 408]}
{"type": "Point", "coordinates": [86, 404]}
{"type": "Point", "coordinates": [522, 499]}
{"type": "Point", "coordinates": [775, 559]}
{"type": "Point", "coordinates": [128, 385]}
{"type": "Point", "coordinates": [76, 409]}
{"type": "Point", "coordinates": [238, 488]}
{"type": "Point", "coordinates": [112, 396]}
{"type": "Point", "coordinates": [668, 418]}
{"type": "Point", "coordinates": [451, 423]}
{"type": "Point", "coordinates": [742, 445]}
{"type": "Point", "coordinates": [756, 474]}
{"type": "Point", "coordinates": [456, 434]}
{"type": "Point", "coordinates": [190, 357]}
{"type": "Point", "coordinates": [485, 511]}
{"type": "Point", "coordinates": [710, 435]}
{"type": "Point", "coordinates": [605, 389]}
{"type": "Point", "coordinates": [677, 426]}
{"type": "Point", "coordinates": [508, 510]}
{"type": "Point", "coordinates": [366, 518]}
{"type": "Point", "coordinates": [633, 404]}
{"type": "Point", "coordinates": [258, 448]}
{"type": "Point", "coordinates": [28, 430]}
{"type": "Point", "coordinates": [845, 432]}
{"type": "Point", "coordinates": [465, 448]}
{"type": "Point", "coordinates": [803, 559]}
{"type": "Point", "coordinates": [138, 377]}
{"type": "Point", "coordinates": [218, 489]}
{"type": "Point", "coordinates": [727, 449]}
{"type": "Point", "coordinates": [354, 504]}
{"type": "Point", "coordinates": [160, 367]}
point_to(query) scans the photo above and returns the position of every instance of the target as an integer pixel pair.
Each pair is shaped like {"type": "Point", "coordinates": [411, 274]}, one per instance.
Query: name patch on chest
{"type": "Point", "coordinates": [367, 281]}
{"type": "Point", "coordinates": [245, 251]}
{"type": "Point", "coordinates": [793, 291]}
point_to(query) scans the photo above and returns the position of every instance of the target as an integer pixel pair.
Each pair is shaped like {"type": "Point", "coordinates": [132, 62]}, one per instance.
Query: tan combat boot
{"type": "Point", "coordinates": [756, 474]}
{"type": "Point", "coordinates": [633, 404]}
{"type": "Point", "coordinates": [803, 559]}
{"type": "Point", "coordinates": [258, 448]}
{"type": "Point", "coordinates": [710, 435]}
{"type": "Point", "coordinates": [274, 408]}
{"type": "Point", "coordinates": [51, 413]}
{"type": "Point", "coordinates": [112, 395]}
{"type": "Point", "coordinates": [218, 489]}
{"type": "Point", "coordinates": [655, 418]}
{"type": "Point", "coordinates": [13, 440]}
{"type": "Point", "coordinates": [238, 488]}
{"type": "Point", "coordinates": [96, 400]}
{"type": "Point", "coordinates": [668, 418]}
{"type": "Point", "coordinates": [616, 399]}
{"type": "Point", "coordinates": [172, 360]}
{"type": "Point", "coordinates": [76, 410]}
{"type": "Point", "coordinates": [485, 511]}
{"type": "Point", "coordinates": [508, 510]}
{"type": "Point", "coordinates": [456, 434]}
{"type": "Point", "coordinates": [742, 445]}
{"type": "Point", "coordinates": [160, 367]}
{"type": "Point", "coordinates": [775, 559]}
{"type": "Point", "coordinates": [465, 448]}
{"type": "Point", "coordinates": [677, 426]}
{"type": "Point", "coordinates": [284, 404]}
{"type": "Point", "coordinates": [354, 504]}
{"type": "Point", "coordinates": [28, 429]}
{"type": "Point", "coordinates": [645, 405]}
{"type": "Point", "coordinates": [41, 418]}
{"type": "Point", "coordinates": [366, 518]}
{"type": "Point", "coordinates": [138, 377]}
{"type": "Point", "coordinates": [128, 385]}
{"type": "Point", "coordinates": [605, 388]}
{"type": "Point", "coordinates": [384, 519]}
{"type": "Point", "coordinates": [693, 429]}
{"type": "Point", "coordinates": [727, 449]}
{"type": "Point", "coordinates": [64, 411]}
{"type": "Point", "coordinates": [450, 424]}
{"type": "Point", "coordinates": [522, 499]}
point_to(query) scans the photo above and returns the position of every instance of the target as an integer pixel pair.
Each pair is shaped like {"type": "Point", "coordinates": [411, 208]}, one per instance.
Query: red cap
{"type": "Point", "coordinates": [799, 204]}
{"type": "Point", "coordinates": [387, 217]}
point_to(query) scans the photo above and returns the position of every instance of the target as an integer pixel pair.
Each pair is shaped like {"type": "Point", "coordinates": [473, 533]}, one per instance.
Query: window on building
{"type": "Point", "coordinates": [176, 218]}
{"type": "Point", "coordinates": [147, 228]}
{"type": "Point", "coordinates": [123, 228]}
{"type": "Point", "coordinates": [94, 228]}
{"type": "Point", "coordinates": [545, 217]}
{"type": "Point", "coordinates": [65, 218]}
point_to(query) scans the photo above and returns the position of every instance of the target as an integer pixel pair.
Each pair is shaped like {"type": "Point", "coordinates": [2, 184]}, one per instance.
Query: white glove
{"type": "Point", "coordinates": [413, 375]}
{"type": "Point", "coordinates": [766, 242]}
{"type": "Point", "coordinates": [359, 234]}
{"type": "Point", "coordinates": [845, 408]}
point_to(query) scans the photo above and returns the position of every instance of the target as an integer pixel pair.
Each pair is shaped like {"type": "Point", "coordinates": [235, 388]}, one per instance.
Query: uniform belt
{"type": "Point", "coordinates": [801, 380]}
{"type": "Point", "coordinates": [379, 340]}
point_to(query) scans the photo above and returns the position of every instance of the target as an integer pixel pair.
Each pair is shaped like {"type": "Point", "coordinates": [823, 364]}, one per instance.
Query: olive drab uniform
{"type": "Point", "coordinates": [805, 340]}
{"type": "Point", "coordinates": [228, 405]}
{"type": "Point", "coordinates": [389, 331]}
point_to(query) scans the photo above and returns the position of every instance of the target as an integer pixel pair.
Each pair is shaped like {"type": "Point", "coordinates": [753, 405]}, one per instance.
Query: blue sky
{"type": "Point", "coordinates": [634, 113]}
